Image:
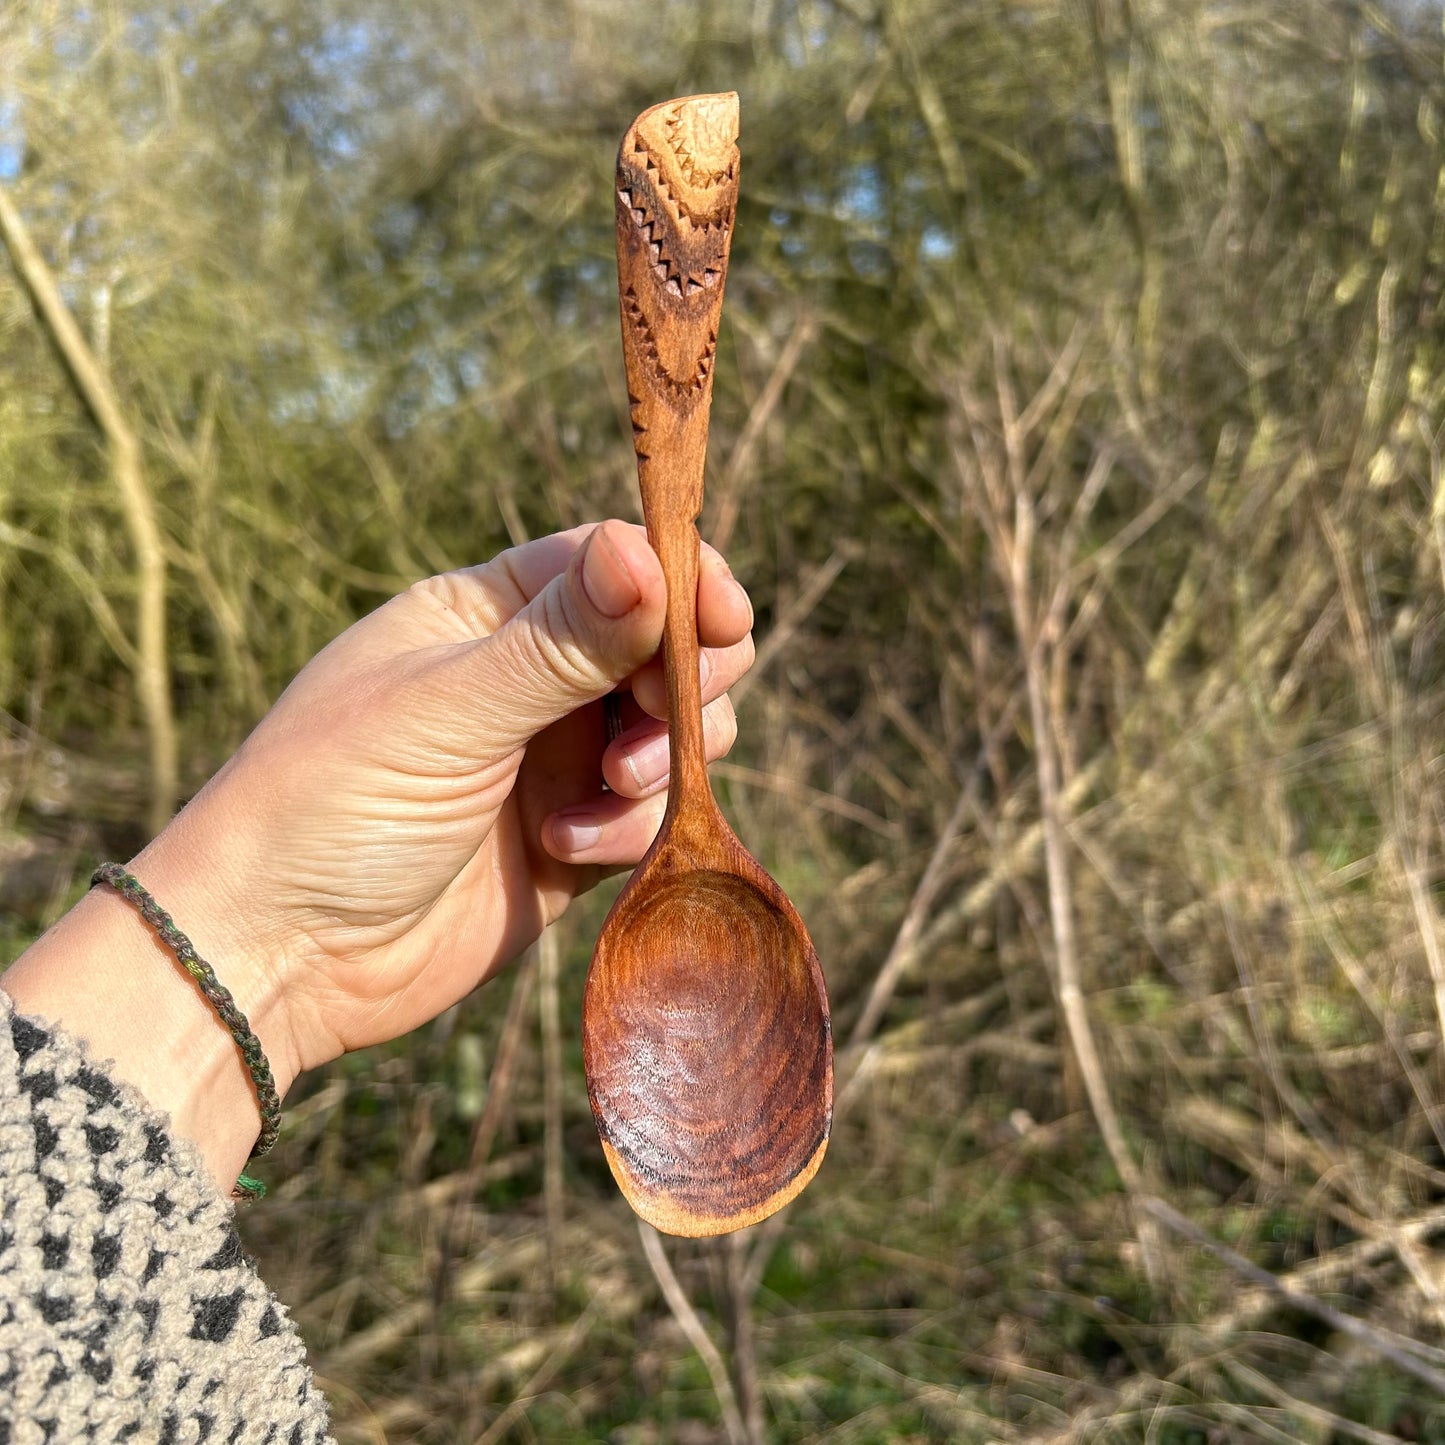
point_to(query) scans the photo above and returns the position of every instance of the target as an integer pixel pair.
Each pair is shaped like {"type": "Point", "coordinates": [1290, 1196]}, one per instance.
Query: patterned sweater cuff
{"type": "Point", "coordinates": [128, 1310]}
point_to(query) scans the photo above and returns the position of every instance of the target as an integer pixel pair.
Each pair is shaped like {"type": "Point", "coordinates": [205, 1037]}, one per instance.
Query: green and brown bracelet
{"type": "Point", "coordinates": [219, 997]}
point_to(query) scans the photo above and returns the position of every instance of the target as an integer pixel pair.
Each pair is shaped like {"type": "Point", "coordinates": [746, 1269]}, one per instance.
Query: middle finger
{"type": "Point", "coordinates": [719, 667]}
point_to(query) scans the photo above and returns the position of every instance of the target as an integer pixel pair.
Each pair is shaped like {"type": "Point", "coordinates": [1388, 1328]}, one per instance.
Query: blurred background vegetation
{"type": "Point", "coordinates": [1078, 433]}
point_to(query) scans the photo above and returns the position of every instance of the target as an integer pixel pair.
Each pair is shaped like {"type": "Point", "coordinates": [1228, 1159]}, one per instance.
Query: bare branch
{"type": "Point", "coordinates": [92, 386]}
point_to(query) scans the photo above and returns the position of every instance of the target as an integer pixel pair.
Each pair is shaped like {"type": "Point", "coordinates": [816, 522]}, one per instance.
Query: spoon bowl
{"type": "Point", "coordinates": [705, 1030]}
{"type": "Point", "coordinates": [707, 1045]}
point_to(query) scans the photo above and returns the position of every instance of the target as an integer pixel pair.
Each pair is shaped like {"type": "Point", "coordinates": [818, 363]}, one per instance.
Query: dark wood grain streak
{"type": "Point", "coordinates": [706, 1037]}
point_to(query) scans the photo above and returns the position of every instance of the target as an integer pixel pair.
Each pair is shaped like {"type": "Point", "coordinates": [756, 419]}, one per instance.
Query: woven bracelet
{"type": "Point", "coordinates": [219, 997]}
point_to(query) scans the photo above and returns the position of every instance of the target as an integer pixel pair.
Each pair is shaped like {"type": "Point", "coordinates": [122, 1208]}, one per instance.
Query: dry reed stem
{"type": "Point", "coordinates": [431, 557]}
{"type": "Point", "coordinates": [364, 1417]}
{"type": "Point", "coordinates": [1433, 439]}
{"type": "Point", "coordinates": [1322, 1273]}
{"type": "Point", "coordinates": [912, 1034]}
{"type": "Point", "coordinates": [903, 949]}
{"type": "Point", "coordinates": [1061, 916]}
{"type": "Point", "coordinates": [96, 603]}
{"type": "Point", "coordinates": [501, 1257]}
{"type": "Point", "coordinates": [97, 395]}
{"type": "Point", "coordinates": [1020, 860]}
{"type": "Point", "coordinates": [857, 1060]}
{"type": "Point", "coordinates": [1257, 1300]}
{"type": "Point", "coordinates": [1415, 1262]}
{"type": "Point", "coordinates": [697, 1335]}
{"type": "Point", "coordinates": [516, 1256]}
{"type": "Point", "coordinates": [1322, 918]}
{"type": "Point", "coordinates": [997, 486]}
{"type": "Point", "coordinates": [1325, 1144]}
{"type": "Point", "coordinates": [790, 787]}
{"type": "Point", "coordinates": [1253, 1145]}
{"type": "Point", "coordinates": [197, 458]}
{"type": "Point", "coordinates": [1329, 1422]}
{"type": "Point", "coordinates": [742, 1344]}
{"type": "Point", "coordinates": [944, 1405]}
{"type": "Point", "coordinates": [1117, 53]}
{"type": "Point", "coordinates": [1428, 924]}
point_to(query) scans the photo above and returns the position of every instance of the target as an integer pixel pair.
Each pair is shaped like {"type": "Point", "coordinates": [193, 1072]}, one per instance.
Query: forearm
{"type": "Point", "coordinates": [102, 975]}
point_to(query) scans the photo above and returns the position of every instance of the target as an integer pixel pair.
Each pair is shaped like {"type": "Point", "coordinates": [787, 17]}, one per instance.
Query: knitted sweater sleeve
{"type": "Point", "coordinates": [128, 1311]}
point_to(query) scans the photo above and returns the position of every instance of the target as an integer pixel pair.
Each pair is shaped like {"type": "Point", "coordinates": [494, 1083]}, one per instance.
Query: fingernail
{"type": "Point", "coordinates": [747, 601]}
{"type": "Point", "coordinates": [575, 832]}
{"type": "Point", "coordinates": [605, 579]}
{"type": "Point", "coordinates": [704, 668]}
{"type": "Point", "coordinates": [649, 763]}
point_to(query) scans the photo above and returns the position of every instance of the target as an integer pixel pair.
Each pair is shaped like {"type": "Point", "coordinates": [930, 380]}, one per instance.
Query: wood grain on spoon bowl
{"type": "Point", "coordinates": [705, 1028]}
{"type": "Point", "coordinates": [708, 1050]}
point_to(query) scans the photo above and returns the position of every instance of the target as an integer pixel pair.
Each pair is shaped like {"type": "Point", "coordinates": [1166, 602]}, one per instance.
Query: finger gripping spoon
{"type": "Point", "coordinates": [705, 1032]}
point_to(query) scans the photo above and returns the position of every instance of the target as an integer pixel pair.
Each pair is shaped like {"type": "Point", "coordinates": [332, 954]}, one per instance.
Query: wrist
{"type": "Point", "coordinates": [104, 975]}
{"type": "Point", "coordinates": [198, 870]}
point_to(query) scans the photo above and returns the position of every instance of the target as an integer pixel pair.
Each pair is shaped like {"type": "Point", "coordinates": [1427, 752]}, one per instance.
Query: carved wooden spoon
{"type": "Point", "coordinates": [705, 1029]}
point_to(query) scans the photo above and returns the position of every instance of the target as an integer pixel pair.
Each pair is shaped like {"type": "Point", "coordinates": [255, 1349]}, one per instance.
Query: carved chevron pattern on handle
{"type": "Point", "coordinates": [677, 194]}
{"type": "Point", "coordinates": [681, 390]}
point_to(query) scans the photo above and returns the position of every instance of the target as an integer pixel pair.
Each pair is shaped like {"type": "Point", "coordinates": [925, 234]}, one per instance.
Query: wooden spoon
{"type": "Point", "coordinates": [705, 1030]}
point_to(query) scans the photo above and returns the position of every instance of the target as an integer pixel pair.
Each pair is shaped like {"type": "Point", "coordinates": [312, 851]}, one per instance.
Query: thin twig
{"type": "Point", "coordinates": [543, 1376]}
{"type": "Point", "coordinates": [1326, 1271]}
{"type": "Point", "coordinates": [728, 491]}
{"type": "Point", "coordinates": [502, 1257]}
{"type": "Point", "coordinates": [1401, 1352]}
{"type": "Point", "coordinates": [692, 1327]}
{"type": "Point", "coordinates": [794, 615]}
{"type": "Point", "coordinates": [1361, 982]}
{"type": "Point", "coordinates": [1019, 861]}
{"type": "Point", "coordinates": [1331, 1424]}
{"type": "Point", "coordinates": [741, 1341]}
{"type": "Point", "coordinates": [904, 948]}
{"type": "Point", "coordinates": [106, 622]}
{"type": "Point", "coordinates": [800, 792]}
{"type": "Point", "coordinates": [1428, 924]}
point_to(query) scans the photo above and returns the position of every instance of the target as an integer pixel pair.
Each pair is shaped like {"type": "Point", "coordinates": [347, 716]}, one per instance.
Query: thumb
{"type": "Point", "coordinates": [587, 629]}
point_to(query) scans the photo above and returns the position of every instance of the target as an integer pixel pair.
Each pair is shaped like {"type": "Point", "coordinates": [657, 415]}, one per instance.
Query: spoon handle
{"type": "Point", "coordinates": [677, 190]}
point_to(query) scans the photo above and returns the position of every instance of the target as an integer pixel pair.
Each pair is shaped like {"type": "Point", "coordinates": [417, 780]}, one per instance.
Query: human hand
{"type": "Point", "coordinates": [426, 795]}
